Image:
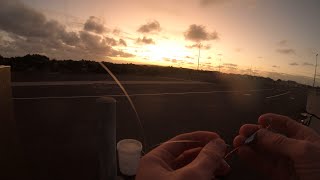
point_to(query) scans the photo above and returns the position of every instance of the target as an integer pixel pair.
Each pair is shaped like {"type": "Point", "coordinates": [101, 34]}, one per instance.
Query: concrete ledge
{"type": "Point", "coordinates": [12, 165]}
{"type": "Point", "coordinates": [6, 110]}
{"type": "Point", "coordinates": [313, 107]}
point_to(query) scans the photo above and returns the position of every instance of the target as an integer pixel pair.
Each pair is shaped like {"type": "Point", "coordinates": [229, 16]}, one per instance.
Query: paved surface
{"type": "Point", "coordinates": [170, 109]}
{"type": "Point", "coordinates": [73, 83]}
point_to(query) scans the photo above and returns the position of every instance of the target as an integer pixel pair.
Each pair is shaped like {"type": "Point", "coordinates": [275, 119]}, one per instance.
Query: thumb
{"type": "Point", "coordinates": [210, 157]}
{"type": "Point", "coordinates": [277, 143]}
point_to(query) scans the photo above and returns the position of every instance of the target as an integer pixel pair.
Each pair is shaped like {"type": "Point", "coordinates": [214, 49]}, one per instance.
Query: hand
{"type": "Point", "coordinates": [198, 160]}
{"type": "Point", "coordinates": [292, 154]}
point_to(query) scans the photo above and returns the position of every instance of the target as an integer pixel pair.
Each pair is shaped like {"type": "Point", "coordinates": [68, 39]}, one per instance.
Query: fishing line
{"type": "Point", "coordinates": [248, 141]}
{"type": "Point", "coordinates": [130, 101]}
{"type": "Point", "coordinates": [253, 136]}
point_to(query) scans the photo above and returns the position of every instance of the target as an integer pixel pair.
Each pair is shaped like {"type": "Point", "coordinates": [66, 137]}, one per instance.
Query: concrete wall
{"type": "Point", "coordinates": [6, 109]}
{"type": "Point", "coordinates": [12, 165]}
{"type": "Point", "coordinates": [313, 107]}
{"type": "Point", "coordinates": [313, 102]}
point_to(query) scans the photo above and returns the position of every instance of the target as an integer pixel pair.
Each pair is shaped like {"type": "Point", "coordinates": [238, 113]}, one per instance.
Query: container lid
{"type": "Point", "coordinates": [129, 146]}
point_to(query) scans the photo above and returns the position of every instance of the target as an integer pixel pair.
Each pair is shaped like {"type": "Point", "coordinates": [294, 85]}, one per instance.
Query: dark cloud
{"type": "Point", "coordinates": [153, 26]}
{"type": "Point", "coordinates": [30, 32]}
{"type": "Point", "coordinates": [94, 24]}
{"type": "Point", "coordinates": [95, 44]}
{"type": "Point", "coordinates": [110, 41]}
{"type": "Point", "coordinates": [21, 20]}
{"type": "Point", "coordinates": [122, 42]}
{"type": "Point", "coordinates": [282, 43]}
{"type": "Point", "coordinates": [294, 64]}
{"type": "Point", "coordinates": [145, 40]}
{"type": "Point", "coordinates": [209, 57]}
{"type": "Point", "coordinates": [206, 47]}
{"type": "Point", "coordinates": [307, 64]}
{"type": "Point", "coordinates": [230, 65]}
{"type": "Point", "coordinates": [210, 2]}
{"type": "Point", "coordinates": [275, 66]}
{"type": "Point", "coordinates": [198, 33]}
{"type": "Point", "coordinates": [286, 51]}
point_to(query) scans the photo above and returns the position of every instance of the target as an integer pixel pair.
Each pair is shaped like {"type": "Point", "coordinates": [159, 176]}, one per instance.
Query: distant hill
{"type": "Point", "coordinates": [41, 64]}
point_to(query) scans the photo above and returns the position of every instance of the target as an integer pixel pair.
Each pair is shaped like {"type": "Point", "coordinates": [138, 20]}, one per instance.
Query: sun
{"type": "Point", "coordinates": [165, 49]}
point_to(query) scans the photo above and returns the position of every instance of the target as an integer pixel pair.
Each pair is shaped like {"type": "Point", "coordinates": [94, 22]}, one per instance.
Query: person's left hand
{"type": "Point", "coordinates": [201, 159]}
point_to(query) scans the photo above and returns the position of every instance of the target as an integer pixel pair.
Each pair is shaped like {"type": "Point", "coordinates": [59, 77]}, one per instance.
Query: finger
{"type": "Point", "coordinates": [185, 158]}
{"type": "Point", "coordinates": [278, 144]}
{"type": "Point", "coordinates": [238, 141]}
{"type": "Point", "coordinates": [210, 158]}
{"type": "Point", "coordinates": [248, 129]}
{"type": "Point", "coordinates": [223, 169]}
{"type": "Point", "coordinates": [171, 149]}
{"type": "Point", "coordinates": [287, 126]}
{"type": "Point", "coordinates": [255, 159]}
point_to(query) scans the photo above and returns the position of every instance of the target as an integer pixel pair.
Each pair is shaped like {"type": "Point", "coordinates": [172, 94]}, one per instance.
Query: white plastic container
{"type": "Point", "coordinates": [129, 154]}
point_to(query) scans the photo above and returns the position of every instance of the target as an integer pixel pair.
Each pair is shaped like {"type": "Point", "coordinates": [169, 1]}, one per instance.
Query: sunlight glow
{"type": "Point", "coordinates": [165, 49]}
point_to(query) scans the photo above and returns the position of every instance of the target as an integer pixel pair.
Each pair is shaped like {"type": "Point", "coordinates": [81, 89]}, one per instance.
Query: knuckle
{"type": "Point", "coordinates": [278, 139]}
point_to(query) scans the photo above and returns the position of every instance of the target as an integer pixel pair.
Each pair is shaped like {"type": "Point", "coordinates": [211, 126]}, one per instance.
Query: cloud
{"type": "Point", "coordinates": [167, 59]}
{"type": "Point", "coordinates": [230, 65]}
{"type": "Point", "coordinates": [110, 41]}
{"type": "Point", "coordinates": [294, 64]}
{"type": "Point", "coordinates": [116, 31]}
{"type": "Point", "coordinates": [122, 42]}
{"type": "Point", "coordinates": [209, 57]}
{"type": "Point", "coordinates": [153, 26]}
{"type": "Point", "coordinates": [145, 40]}
{"type": "Point", "coordinates": [248, 3]}
{"type": "Point", "coordinates": [282, 42]}
{"type": "Point", "coordinates": [275, 66]}
{"type": "Point", "coordinates": [175, 61]}
{"type": "Point", "coordinates": [286, 51]}
{"type": "Point", "coordinates": [198, 33]}
{"type": "Point", "coordinates": [21, 20]}
{"type": "Point", "coordinates": [30, 32]}
{"type": "Point", "coordinates": [307, 64]}
{"type": "Point", "coordinates": [206, 47]}
{"type": "Point", "coordinates": [210, 2]}
{"type": "Point", "coordinates": [260, 57]}
{"type": "Point", "coordinates": [94, 24]}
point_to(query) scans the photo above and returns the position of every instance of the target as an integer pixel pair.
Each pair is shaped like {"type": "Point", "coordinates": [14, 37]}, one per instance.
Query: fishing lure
{"type": "Point", "coordinates": [250, 140]}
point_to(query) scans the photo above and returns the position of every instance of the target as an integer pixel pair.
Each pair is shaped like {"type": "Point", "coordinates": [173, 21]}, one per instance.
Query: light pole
{"type": "Point", "coordinates": [199, 56]}
{"type": "Point", "coordinates": [315, 71]}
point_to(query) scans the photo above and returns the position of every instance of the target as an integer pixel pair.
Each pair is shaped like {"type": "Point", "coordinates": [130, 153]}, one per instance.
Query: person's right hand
{"type": "Point", "coordinates": [291, 153]}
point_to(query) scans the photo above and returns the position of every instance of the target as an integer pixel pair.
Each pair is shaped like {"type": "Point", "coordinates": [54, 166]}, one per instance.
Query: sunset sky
{"type": "Point", "coordinates": [261, 37]}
